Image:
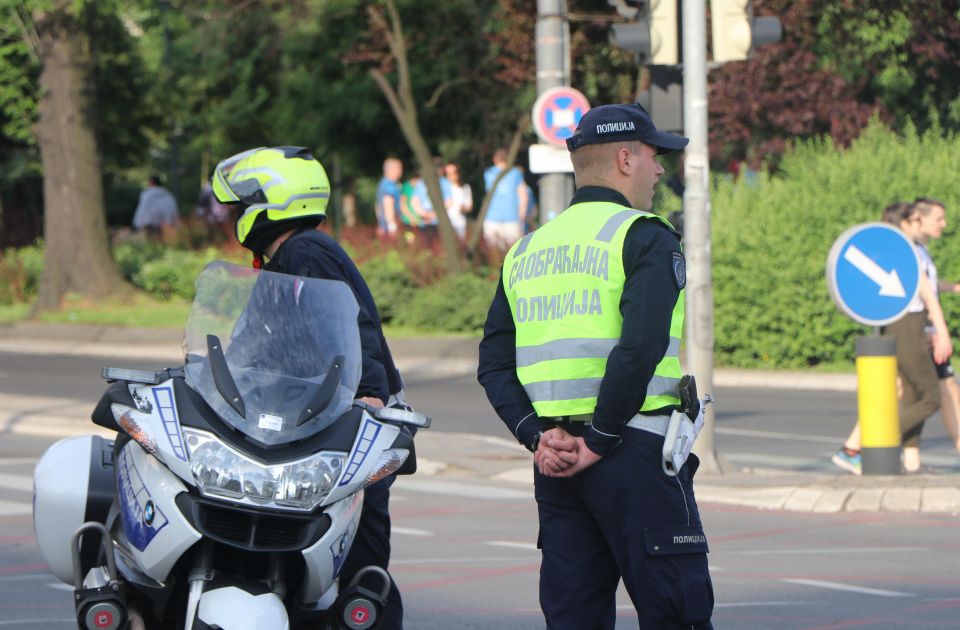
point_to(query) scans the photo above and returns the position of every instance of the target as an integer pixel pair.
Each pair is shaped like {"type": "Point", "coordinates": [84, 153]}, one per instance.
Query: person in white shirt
{"type": "Point", "coordinates": [460, 202]}
{"type": "Point", "coordinates": [930, 219]}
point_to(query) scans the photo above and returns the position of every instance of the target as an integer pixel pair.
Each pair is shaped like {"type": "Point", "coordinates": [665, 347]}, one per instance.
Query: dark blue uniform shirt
{"type": "Point", "coordinates": [315, 254]}
{"type": "Point", "coordinates": [649, 295]}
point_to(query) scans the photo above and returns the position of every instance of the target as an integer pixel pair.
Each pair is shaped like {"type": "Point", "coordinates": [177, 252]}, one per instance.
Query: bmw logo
{"type": "Point", "coordinates": [149, 512]}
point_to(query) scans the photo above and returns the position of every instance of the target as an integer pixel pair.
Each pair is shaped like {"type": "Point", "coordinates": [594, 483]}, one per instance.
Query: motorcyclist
{"type": "Point", "coordinates": [282, 193]}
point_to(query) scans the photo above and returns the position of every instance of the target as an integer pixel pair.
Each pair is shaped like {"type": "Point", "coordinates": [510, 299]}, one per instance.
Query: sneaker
{"type": "Point", "coordinates": [850, 463]}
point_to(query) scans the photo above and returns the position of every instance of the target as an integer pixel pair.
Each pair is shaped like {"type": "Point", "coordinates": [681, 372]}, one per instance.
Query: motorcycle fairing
{"type": "Point", "coordinates": [142, 519]}
{"type": "Point", "coordinates": [153, 549]}
{"type": "Point", "coordinates": [157, 417]}
{"type": "Point", "coordinates": [373, 437]}
{"type": "Point", "coordinates": [320, 558]}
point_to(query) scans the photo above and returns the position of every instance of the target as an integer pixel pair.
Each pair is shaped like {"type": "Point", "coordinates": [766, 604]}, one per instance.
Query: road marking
{"type": "Point", "coordinates": [761, 604]}
{"type": "Point", "coordinates": [28, 576]}
{"type": "Point", "coordinates": [21, 483]}
{"type": "Point", "coordinates": [453, 488]}
{"type": "Point", "coordinates": [512, 545]}
{"type": "Point", "coordinates": [18, 461]}
{"type": "Point", "coordinates": [453, 560]}
{"type": "Point", "coordinates": [839, 550]}
{"type": "Point", "coordinates": [20, 622]}
{"type": "Point", "coordinates": [774, 435]}
{"type": "Point", "coordinates": [779, 461]}
{"type": "Point", "coordinates": [410, 531]}
{"type": "Point", "coordinates": [850, 588]}
{"type": "Point", "coordinates": [15, 508]}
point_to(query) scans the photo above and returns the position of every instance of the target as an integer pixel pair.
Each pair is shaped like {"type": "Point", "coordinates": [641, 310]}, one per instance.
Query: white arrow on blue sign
{"type": "Point", "coordinates": [873, 273]}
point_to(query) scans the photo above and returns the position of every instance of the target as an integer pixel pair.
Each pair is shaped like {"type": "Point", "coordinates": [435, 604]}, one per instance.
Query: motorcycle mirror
{"type": "Point", "coordinates": [402, 416]}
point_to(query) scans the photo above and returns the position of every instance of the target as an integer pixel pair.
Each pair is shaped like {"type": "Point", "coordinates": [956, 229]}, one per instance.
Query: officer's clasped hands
{"type": "Point", "coordinates": [559, 454]}
{"type": "Point", "coordinates": [556, 452]}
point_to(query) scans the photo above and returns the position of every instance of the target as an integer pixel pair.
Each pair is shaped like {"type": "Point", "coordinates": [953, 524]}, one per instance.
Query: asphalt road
{"type": "Point", "coordinates": [465, 556]}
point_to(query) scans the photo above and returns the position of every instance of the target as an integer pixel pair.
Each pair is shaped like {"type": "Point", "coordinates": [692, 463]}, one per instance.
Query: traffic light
{"type": "Point", "coordinates": [736, 32]}
{"type": "Point", "coordinates": [653, 32]}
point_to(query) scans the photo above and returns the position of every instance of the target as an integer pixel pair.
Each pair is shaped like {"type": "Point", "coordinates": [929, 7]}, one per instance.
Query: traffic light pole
{"type": "Point", "coordinates": [553, 70]}
{"type": "Point", "coordinates": [696, 221]}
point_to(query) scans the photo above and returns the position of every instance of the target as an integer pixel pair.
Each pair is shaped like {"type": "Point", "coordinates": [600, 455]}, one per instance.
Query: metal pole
{"type": "Point", "coordinates": [553, 70]}
{"type": "Point", "coordinates": [696, 220]}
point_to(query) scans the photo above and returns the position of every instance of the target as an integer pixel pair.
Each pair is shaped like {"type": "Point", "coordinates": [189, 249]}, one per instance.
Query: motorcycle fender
{"type": "Point", "coordinates": [155, 531]}
{"type": "Point", "coordinates": [324, 559]}
{"type": "Point", "coordinates": [232, 608]}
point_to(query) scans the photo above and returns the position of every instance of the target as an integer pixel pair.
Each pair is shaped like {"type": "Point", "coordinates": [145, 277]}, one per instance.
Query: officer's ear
{"type": "Point", "coordinates": [626, 160]}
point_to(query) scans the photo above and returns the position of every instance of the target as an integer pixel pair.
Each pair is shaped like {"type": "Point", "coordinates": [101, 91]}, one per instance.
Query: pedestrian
{"type": "Point", "coordinates": [388, 198]}
{"type": "Point", "coordinates": [917, 373]}
{"type": "Point", "coordinates": [503, 224]}
{"type": "Point", "coordinates": [410, 208]}
{"type": "Point", "coordinates": [461, 199]}
{"type": "Point", "coordinates": [580, 359]}
{"type": "Point", "coordinates": [930, 221]}
{"type": "Point", "coordinates": [156, 214]}
{"type": "Point", "coordinates": [423, 206]}
{"type": "Point", "coordinates": [283, 238]}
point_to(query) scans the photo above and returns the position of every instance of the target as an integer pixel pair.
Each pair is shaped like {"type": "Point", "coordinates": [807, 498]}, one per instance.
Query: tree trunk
{"type": "Point", "coordinates": [77, 256]}
{"type": "Point", "coordinates": [404, 109]}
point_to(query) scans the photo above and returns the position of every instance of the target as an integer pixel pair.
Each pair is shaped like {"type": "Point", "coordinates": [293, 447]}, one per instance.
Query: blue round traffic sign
{"type": "Point", "coordinates": [873, 273]}
{"type": "Point", "coordinates": [557, 113]}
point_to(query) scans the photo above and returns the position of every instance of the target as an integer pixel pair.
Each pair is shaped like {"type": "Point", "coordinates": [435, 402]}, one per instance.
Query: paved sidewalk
{"type": "Point", "coordinates": [489, 460]}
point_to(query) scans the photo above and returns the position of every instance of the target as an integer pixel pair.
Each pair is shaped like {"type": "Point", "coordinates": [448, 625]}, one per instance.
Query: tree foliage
{"type": "Point", "coordinates": [838, 64]}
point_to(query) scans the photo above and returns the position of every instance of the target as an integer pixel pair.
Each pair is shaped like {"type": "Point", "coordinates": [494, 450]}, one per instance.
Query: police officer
{"type": "Point", "coordinates": [282, 193]}
{"type": "Point", "coordinates": [580, 358]}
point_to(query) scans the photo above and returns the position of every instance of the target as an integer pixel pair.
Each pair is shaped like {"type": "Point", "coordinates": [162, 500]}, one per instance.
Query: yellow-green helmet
{"type": "Point", "coordinates": [278, 188]}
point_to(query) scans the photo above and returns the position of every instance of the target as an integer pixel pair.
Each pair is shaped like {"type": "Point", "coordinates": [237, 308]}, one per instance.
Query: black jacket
{"type": "Point", "coordinates": [650, 292]}
{"type": "Point", "coordinates": [314, 254]}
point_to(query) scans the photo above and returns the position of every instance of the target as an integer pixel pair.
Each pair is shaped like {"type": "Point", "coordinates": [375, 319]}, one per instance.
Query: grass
{"type": "Point", "coordinates": [145, 311]}
{"type": "Point", "coordinates": [139, 311]}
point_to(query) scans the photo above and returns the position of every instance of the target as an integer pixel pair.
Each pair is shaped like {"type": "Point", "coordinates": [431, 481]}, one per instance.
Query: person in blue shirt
{"type": "Point", "coordinates": [388, 198]}
{"type": "Point", "coordinates": [424, 207]}
{"type": "Point", "coordinates": [503, 225]}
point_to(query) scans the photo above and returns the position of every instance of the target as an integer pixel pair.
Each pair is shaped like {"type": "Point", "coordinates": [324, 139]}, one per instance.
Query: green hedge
{"type": "Point", "coordinates": [771, 239]}
{"type": "Point", "coordinates": [20, 271]}
{"type": "Point", "coordinates": [392, 284]}
{"type": "Point", "coordinates": [454, 304]}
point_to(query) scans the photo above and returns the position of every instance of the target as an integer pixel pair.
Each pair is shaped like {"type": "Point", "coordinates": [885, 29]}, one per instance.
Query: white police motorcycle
{"type": "Point", "coordinates": [233, 490]}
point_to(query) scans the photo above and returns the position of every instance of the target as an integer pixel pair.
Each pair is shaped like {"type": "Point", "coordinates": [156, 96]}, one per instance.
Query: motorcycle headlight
{"type": "Point", "coordinates": [223, 472]}
{"type": "Point", "coordinates": [390, 461]}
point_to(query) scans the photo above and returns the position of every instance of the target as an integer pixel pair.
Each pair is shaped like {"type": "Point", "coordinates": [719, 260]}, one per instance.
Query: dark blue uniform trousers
{"type": "Point", "coordinates": [371, 545]}
{"type": "Point", "coordinates": [623, 518]}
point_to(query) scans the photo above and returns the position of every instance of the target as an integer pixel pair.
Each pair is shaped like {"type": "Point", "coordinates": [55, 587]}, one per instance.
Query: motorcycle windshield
{"type": "Point", "coordinates": [275, 356]}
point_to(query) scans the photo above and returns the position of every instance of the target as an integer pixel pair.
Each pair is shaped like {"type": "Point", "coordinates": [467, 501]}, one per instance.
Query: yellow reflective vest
{"type": "Point", "coordinates": [564, 284]}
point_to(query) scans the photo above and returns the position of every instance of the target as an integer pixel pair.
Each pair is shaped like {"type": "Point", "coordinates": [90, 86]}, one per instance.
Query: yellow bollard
{"type": "Point", "coordinates": [877, 405]}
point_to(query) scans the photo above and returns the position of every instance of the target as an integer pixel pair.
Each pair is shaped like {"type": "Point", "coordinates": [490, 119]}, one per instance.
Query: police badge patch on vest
{"type": "Point", "coordinates": [679, 270]}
